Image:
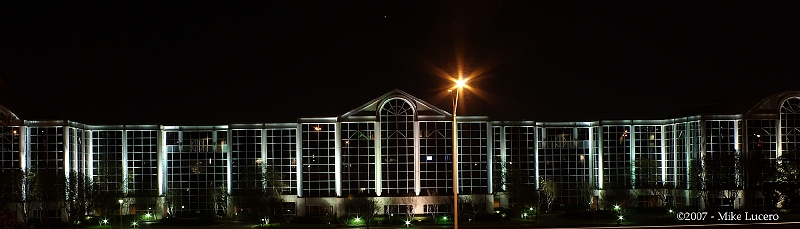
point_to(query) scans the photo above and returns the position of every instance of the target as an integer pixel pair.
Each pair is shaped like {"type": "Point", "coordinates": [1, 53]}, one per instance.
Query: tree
{"type": "Point", "coordinates": [220, 198]}
{"type": "Point", "coordinates": [618, 199]}
{"type": "Point", "coordinates": [548, 189]}
{"type": "Point", "coordinates": [789, 178]}
{"type": "Point", "coordinates": [761, 176]}
{"type": "Point", "coordinates": [15, 183]}
{"type": "Point", "coordinates": [468, 205]}
{"type": "Point", "coordinates": [80, 198]}
{"type": "Point", "coordinates": [172, 197]}
{"type": "Point", "coordinates": [47, 193]}
{"type": "Point", "coordinates": [439, 203]}
{"type": "Point", "coordinates": [723, 176]}
{"type": "Point", "coordinates": [522, 192]}
{"type": "Point", "coordinates": [648, 181]}
{"type": "Point", "coordinates": [365, 208]}
{"type": "Point", "coordinates": [697, 175]}
{"type": "Point", "coordinates": [587, 194]}
{"type": "Point", "coordinates": [499, 178]}
{"type": "Point", "coordinates": [409, 202]}
{"type": "Point", "coordinates": [260, 194]}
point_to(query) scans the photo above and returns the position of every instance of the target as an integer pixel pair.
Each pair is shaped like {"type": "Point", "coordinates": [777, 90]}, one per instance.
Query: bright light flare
{"type": "Point", "coordinates": [620, 217]}
{"type": "Point", "coordinates": [461, 83]}
{"type": "Point", "coordinates": [408, 222]}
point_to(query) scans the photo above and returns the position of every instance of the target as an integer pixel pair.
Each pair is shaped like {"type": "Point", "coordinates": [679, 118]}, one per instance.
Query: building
{"type": "Point", "coordinates": [398, 145]}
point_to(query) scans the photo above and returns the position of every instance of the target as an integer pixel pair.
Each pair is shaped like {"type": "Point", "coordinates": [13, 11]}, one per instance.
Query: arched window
{"type": "Point", "coordinates": [397, 146]}
{"type": "Point", "coordinates": [790, 124]}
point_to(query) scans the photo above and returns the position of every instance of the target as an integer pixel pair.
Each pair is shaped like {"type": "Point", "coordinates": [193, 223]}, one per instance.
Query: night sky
{"type": "Point", "coordinates": [220, 63]}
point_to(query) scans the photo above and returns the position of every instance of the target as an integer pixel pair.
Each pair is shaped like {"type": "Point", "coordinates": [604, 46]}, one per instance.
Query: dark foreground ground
{"type": "Point", "coordinates": [553, 220]}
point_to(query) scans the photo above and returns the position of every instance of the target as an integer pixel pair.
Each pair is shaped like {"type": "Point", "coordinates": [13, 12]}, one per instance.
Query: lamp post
{"type": "Point", "coordinates": [460, 83]}
{"type": "Point", "coordinates": [120, 213]}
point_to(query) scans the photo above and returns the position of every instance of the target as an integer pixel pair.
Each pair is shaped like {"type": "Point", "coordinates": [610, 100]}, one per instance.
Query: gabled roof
{"type": "Point", "coordinates": [369, 111]}
{"type": "Point", "coordinates": [768, 108]}
{"type": "Point", "coordinates": [755, 108]}
{"type": "Point", "coordinates": [11, 114]}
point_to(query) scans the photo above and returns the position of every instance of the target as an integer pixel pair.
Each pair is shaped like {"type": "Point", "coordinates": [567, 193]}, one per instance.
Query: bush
{"type": "Point", "coordinates": [315, 219]}
{"type": "Point", "coordinates": [589, 215]}
{"type": "Point", "coordinates": [651, 210]}
{"type": "Point", "coordinates": [484, 217]}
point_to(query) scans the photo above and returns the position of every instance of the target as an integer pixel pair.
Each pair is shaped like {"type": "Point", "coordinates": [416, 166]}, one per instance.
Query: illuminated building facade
{"type": "Point", "coordinates": [397, 145]}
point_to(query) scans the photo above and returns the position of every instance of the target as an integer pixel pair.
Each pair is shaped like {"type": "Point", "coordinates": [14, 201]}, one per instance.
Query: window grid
{"type": "Point", "coordinates": [9, 148]}
{"type": "Point", "coordinates": [246, 159]}
{"type": "Point", "coordinates": [648, 157]}
{"type": "Point", "coordinates": [436, 153]}
{"type": "Point", "coordinates": [107, 159]}
{"type": "Point", "coordinates": [319, 159]}
{"type": "Point", "coordinates": [197, 167]}
{"type": "Point", "coordinates": [720, 149]}
{"type": "Point", "coordinates": [790, 125]}
{"type": "Point", "coordinates": [616, 157]}
{"type": "Point", "coordinates": [669, 146]}
{"type": "Point", "coordinates": [472, 164]}
{"type": "Point", "coordinates": [358, 158]}
{"type": "Point", "coordinates": [142, 162]}
{"type": "Point", "coordinates": [564, 159]}
{"type": "Point", "coordinates": [9, 159]}
{"type": "Point", "coordinates": [282, 157]}
{"type": "Point", "coordinates": [397, 147]}
{"type": "Point", "coordinates": [762, 143]}
{"type": "Point", "coordinates": [47, 149]}
{"type": "Point", "coordinates": [521, 152]}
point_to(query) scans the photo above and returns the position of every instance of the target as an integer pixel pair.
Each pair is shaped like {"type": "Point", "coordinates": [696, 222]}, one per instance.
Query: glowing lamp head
{"type": "Point", "coordinates": [120, 201]}
{"type": "Point", "coordinates": [408, 222]}
{"type": "Point", "coordinates": [620, 217]}
{"type": "Point", "coordinates": [461, 83]}
{"type": "Point", "coordinates": [358, 219]}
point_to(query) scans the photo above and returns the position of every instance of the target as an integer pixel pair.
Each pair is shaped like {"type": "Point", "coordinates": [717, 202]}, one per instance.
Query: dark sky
{"type": "Point", "coordinates": [220, 63]}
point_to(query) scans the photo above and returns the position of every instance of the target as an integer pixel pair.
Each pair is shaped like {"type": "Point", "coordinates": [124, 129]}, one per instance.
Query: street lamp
{"type": "Point", "coordinates": [120, 213]}
{"type": "Point", "coordinates": [460, 83]}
